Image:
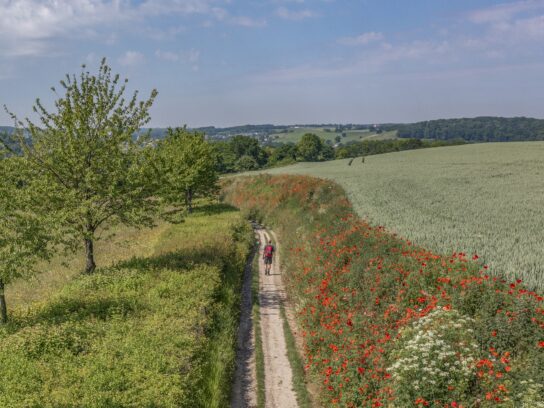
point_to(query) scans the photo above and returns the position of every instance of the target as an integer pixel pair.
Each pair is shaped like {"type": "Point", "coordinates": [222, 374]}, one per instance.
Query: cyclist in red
{"type": "Point", "coordinates": [268, 253]}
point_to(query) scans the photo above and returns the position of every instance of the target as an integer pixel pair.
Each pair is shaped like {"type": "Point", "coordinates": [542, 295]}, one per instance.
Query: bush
{"type": "Point", "coordinates": [435, 359]}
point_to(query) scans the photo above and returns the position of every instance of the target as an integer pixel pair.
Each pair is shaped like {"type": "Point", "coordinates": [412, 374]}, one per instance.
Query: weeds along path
{"type": "Point", "coordinates": [278, 375]}
{"type": "Point", "coordinates": [244, 390]}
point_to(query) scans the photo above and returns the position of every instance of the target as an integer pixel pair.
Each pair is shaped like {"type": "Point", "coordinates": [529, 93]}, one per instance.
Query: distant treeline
{"type": "Point", "coordinates": [7, 140]}
{"type": "Point", "coordinates": [481, 129]}
{"type": "Point", "coordinates": [243, 153]}
{"type": "Point", "coordinates": [212, 131]}
{"type": "Point", "coordinates": [370, 147]}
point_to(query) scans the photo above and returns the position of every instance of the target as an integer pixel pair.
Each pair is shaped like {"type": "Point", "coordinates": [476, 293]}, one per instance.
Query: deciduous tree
{"type": "Point", "coordinates": [90, 164]}
{"type": "Point", "coordinates": [186, 167]}
{"type": "Point", "coordinates": [309, 147]}
{"type": "Point", "coordinates": [23, 235]}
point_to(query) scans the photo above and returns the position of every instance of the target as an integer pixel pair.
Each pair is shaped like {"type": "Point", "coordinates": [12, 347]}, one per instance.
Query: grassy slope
{"type": "Point", "coordinates": [156, 330]}
{"type": "Point", "coordinates": [124, 244]}
{"type": "Point", "coordinates": [360, 292]}
{"type": "Point", "coordinates": [484, 199]}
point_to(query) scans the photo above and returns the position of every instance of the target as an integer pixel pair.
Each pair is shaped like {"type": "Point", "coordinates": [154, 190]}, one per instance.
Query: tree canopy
{"type": "Point", "coordinates": [186, 167]}
{"type": "Point", "coordinates": [240, 153]}
{"type": "Point", "coordinates": [480, 129]}
{"type": "Point", "coordinates": [24, 236]}
{"type": "Point", "coordinates": [90, 167]}
{"type": "Point", "coordinates": [309, 148]}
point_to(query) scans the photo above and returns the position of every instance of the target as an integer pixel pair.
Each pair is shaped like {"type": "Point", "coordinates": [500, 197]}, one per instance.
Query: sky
{"type": "Point", "coordinates": [233, 62]}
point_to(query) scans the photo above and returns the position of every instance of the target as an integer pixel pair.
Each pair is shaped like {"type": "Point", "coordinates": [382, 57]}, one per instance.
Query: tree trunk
{"type": "Point", "coordinates": [3, 306]}
{"type": "Point", "coordinates": [189, 200]}
{"type": "Point", "coordinates": [90, 265]}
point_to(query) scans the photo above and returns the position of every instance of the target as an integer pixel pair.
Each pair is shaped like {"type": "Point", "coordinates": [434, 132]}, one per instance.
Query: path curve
{"type": "Point", "coordinates": [278, 374]}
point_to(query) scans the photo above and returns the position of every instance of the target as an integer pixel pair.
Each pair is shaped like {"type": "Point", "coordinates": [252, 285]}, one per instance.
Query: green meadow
{"type": "Point", "coordinates": [295, 134]}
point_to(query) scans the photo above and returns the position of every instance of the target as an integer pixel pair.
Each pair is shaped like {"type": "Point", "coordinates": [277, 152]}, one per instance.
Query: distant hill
{"type": "Point", "coordinates": [479, 129]}
{"type": "Point", "coordinates": [6, 129]}
{"type": "Point", "coordinates": [6, 140]}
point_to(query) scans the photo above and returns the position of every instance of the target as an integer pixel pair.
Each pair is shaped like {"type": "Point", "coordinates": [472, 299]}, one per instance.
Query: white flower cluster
{"type": "Point", "coordinates": [530, 398]}
{"type": "Point", "coordinates": [435, 353]}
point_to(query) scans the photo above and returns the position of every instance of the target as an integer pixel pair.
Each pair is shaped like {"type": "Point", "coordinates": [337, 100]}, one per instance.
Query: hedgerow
{"type": "Point", "coordinates": [366, 298]}
{"type": "Point", "coordinates": [149, 332]}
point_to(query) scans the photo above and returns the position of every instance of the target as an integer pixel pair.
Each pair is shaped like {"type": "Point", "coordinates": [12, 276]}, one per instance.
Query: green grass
{"type": "Point", "coordinates": [124, 244]}
{"type": "Point", "coordinates": [153, 330]}
{"type": "Point", "coordinates": [297, 366]}
{"type": "Point", "coordinates": [382, 136]}
{"type": "Point", "coordinates": [351, 135]}
{"type": "Point", "coordinates": [485, 199]}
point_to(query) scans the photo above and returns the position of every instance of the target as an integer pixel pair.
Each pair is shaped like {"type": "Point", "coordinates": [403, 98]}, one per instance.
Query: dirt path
{"type": "Point", "coordinates": [279, 391]}
{"type": "Point", "coordinates": [278, 376]}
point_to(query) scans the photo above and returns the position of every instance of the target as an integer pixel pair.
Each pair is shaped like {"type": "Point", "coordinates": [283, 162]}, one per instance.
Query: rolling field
{"type": "Point", "coordinates": [485, 199]}
{"type": "Point", "coordinates": [351, 135]}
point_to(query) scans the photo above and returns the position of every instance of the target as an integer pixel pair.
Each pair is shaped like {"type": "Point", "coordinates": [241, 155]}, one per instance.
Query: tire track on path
{"type": "Point", "coordinates": [278, 374]}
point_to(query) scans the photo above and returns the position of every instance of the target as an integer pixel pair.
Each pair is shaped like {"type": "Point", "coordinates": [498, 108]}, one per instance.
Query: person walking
{"type": "Point", "coordinates": [268, 254]}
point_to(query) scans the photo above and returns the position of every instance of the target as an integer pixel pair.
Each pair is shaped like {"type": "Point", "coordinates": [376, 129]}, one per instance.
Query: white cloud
{"type": "Point", "coordinates": [511, 28]}
{"type": "Point", "coordinates": [191, 57]}
{"type": "Point", "coordinates": [167, 55]}
{"type": "Point", "coordinates": [372, 62]}
{"type": "Point", "coordinates": [91, 58]}
{"type": "Point", "coordinates": [362, 39]}
{"type": "Point", "coordinates": [160, 7]}
{"type": "Point", "coordinates": [519, 30]}
{"type": "Point", "coordinates": [505, 12]}
{"type": "Point", "coordinates": [245, 21]}
{"type": "Point", "coordinates": [131, 58]}
{"type": "Point", "coordinates": [285, 13]}
{"type": "Point", "coordinates": [26, 25]}
{"type": "Point", "coordinates": [29, 27]}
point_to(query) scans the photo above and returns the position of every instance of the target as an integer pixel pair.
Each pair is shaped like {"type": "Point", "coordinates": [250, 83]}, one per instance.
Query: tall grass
{"type": "Point", "coordinates": [156, 330]}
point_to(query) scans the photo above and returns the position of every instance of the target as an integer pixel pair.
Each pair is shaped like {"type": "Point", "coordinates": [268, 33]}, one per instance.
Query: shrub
{"type": "Point", "coordinates": [435, 359]}
{"type": "Point", "coordinates": [150, 332]}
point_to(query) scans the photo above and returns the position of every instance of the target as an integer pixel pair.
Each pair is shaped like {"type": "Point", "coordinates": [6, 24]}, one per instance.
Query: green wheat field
{"type": "Point", "coordinates": [486, 199]}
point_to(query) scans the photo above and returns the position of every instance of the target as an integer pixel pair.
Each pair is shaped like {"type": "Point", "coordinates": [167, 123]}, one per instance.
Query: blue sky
{"type": "Point", "coordinates": [230, 62]}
